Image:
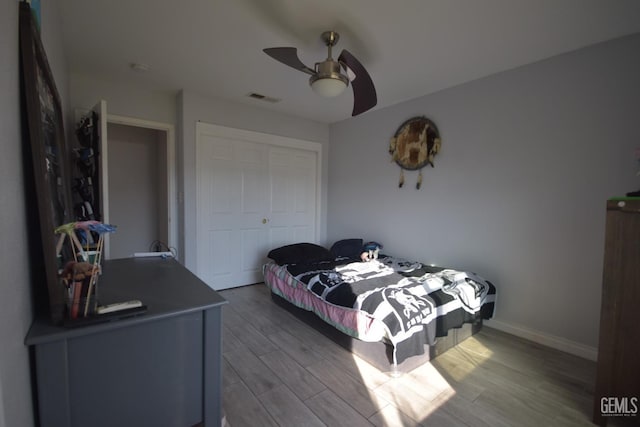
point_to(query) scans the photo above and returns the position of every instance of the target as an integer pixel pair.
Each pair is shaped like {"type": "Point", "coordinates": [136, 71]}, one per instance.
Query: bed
{"type": "Point", "coordinates": [392, 312]}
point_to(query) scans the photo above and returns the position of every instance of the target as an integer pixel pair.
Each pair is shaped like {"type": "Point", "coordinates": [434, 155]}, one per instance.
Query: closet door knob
{"type": "Point", "coordinates": [265, 220]}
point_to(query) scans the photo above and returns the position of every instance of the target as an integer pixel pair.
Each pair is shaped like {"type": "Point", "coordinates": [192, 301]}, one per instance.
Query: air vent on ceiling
{"type": "Point", "coordinates": [263, 97]}
{"type": "Point", "coordinates": [139, 67]}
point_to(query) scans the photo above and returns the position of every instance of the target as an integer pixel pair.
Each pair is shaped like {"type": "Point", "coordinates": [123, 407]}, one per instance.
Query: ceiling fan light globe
{"type": "Point", "coordinates": [328, 87]}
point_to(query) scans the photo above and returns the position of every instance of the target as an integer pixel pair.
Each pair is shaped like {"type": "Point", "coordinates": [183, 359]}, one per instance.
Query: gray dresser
{"type": "Point", "coordinates": [159, 368]}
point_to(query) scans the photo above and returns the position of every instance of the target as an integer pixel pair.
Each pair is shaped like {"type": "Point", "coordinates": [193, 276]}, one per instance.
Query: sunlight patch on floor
{"type": "Point", "coordinates": [423, 393]}
{"type": "Point", "coordinates": [371, 376]}
{"type": "Point", "coordinates": [391, 416]}
{"type": "Point", "coordinates": [473, 353]}
{"type": "Point", "coordinates": [411, 402]}
{"type": "Point", "coordinates": [413, 396]}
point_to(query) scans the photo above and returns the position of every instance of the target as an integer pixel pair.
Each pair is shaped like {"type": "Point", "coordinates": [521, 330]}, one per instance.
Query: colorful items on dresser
{"type": "Point", "coordinates": [80, 276]}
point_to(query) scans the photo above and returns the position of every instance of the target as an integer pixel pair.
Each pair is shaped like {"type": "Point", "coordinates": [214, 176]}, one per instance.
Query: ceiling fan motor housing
{"type": "Point", "coordinates": [329, 72]}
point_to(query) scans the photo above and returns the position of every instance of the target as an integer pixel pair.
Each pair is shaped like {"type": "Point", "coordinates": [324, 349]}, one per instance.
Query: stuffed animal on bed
{"type": "Point", "coordinates": [370, 251]}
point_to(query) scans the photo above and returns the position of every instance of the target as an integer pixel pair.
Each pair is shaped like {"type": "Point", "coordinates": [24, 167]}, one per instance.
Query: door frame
{"type": "Point", "coordinates": [259, 138]}
{"type": "Point", "coordinates": [172, 200]}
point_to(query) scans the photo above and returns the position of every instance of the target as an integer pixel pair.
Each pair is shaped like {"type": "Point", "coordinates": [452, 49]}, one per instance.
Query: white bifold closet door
{"type": "Point", "coordinates": [254, 192]}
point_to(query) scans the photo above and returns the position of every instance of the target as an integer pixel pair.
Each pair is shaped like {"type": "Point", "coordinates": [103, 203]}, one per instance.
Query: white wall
{"type": "Point", "coordinates": [518, 192]}
{"type": "Point", "coordinates": [192, 108]}
{"type": "Point", "coordinates": [16, 311]}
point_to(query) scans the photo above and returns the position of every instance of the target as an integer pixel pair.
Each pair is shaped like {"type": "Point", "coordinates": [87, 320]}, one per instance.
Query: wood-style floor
{"type": "Point", "coordinates": [280, 372]}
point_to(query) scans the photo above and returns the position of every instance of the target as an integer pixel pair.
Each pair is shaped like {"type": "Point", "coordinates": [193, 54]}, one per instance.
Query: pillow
{"type": "Point", "coordinates": [347, 248]}
{"type": "Point", "coordinates": [306, 253]}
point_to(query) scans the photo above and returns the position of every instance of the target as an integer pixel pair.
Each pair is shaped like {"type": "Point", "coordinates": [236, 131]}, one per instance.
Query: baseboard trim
{"type": "Point", "coordinates": [559, 343]}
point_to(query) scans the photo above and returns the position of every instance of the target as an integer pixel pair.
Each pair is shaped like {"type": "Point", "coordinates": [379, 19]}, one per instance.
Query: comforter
{"type": "Point", "coordinates": [407, 304]}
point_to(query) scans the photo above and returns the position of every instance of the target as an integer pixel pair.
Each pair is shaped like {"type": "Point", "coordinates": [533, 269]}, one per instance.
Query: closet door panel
{"type": "Point", "coordinates": [251, 161]}
{"type": "Point", "coordinates": [217, 202]}
{"type": "Point", "coordinates": [253, 195]}
{"type": "Point", "coordinates": [293, 175]}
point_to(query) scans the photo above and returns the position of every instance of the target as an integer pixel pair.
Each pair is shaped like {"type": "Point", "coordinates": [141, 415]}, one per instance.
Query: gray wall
{"type": "Point", "coordinates": [134, 203]}
{"type": "Point", "coordinates": [123, 100]}
{"type": "Point", "coordinates": [192, 108]}
{"type": "Point", "coordinates": [183, 111]}
{"type": "Point", "coordinates": [15, 304]}
{"type": "Point", "coordinates": [518, 192]}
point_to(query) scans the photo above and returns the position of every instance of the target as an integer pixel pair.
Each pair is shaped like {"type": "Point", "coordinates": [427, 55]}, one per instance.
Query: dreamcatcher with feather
{"type": "Point", "coordinates": [414, 145]}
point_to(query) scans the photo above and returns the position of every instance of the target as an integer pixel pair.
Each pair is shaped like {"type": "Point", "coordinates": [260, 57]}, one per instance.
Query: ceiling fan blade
{"type": "Point", "coordinates": [288, 56]}
{"type": "Point", "coordinates": [364, 92]}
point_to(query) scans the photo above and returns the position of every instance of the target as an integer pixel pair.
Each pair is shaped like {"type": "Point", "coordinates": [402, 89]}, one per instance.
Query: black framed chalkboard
{"type": "Point", "coordinates": [46, 142]}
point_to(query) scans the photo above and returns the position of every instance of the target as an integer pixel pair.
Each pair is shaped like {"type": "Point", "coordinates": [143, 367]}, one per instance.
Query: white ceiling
{"type": "Point", "coordinates": [410, 47]}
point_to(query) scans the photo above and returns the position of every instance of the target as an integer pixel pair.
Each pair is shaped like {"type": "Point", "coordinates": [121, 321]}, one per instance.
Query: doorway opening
{"type": "Point", "coordinates": [141, 186]}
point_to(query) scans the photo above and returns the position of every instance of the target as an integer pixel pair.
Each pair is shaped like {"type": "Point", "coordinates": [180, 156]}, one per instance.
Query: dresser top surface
{"type": "Point", "coordinates": [164, 286]}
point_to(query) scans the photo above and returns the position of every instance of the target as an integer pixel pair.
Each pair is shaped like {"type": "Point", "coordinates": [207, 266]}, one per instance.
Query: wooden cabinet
{"type": "Point", "coordinates": [617, 392]}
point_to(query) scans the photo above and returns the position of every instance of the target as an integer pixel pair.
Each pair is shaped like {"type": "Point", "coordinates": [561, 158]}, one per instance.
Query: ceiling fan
{"type": "Point", "coordinates": [326, 78]}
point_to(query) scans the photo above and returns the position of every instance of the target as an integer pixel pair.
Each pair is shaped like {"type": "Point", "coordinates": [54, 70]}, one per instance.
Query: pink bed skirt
{"type": "Point", "coordinates": [356, 323]}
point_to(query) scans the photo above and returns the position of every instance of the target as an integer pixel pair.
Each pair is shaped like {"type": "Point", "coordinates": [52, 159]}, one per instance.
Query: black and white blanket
{"type": "Point", "coordinates": [416, 302]}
